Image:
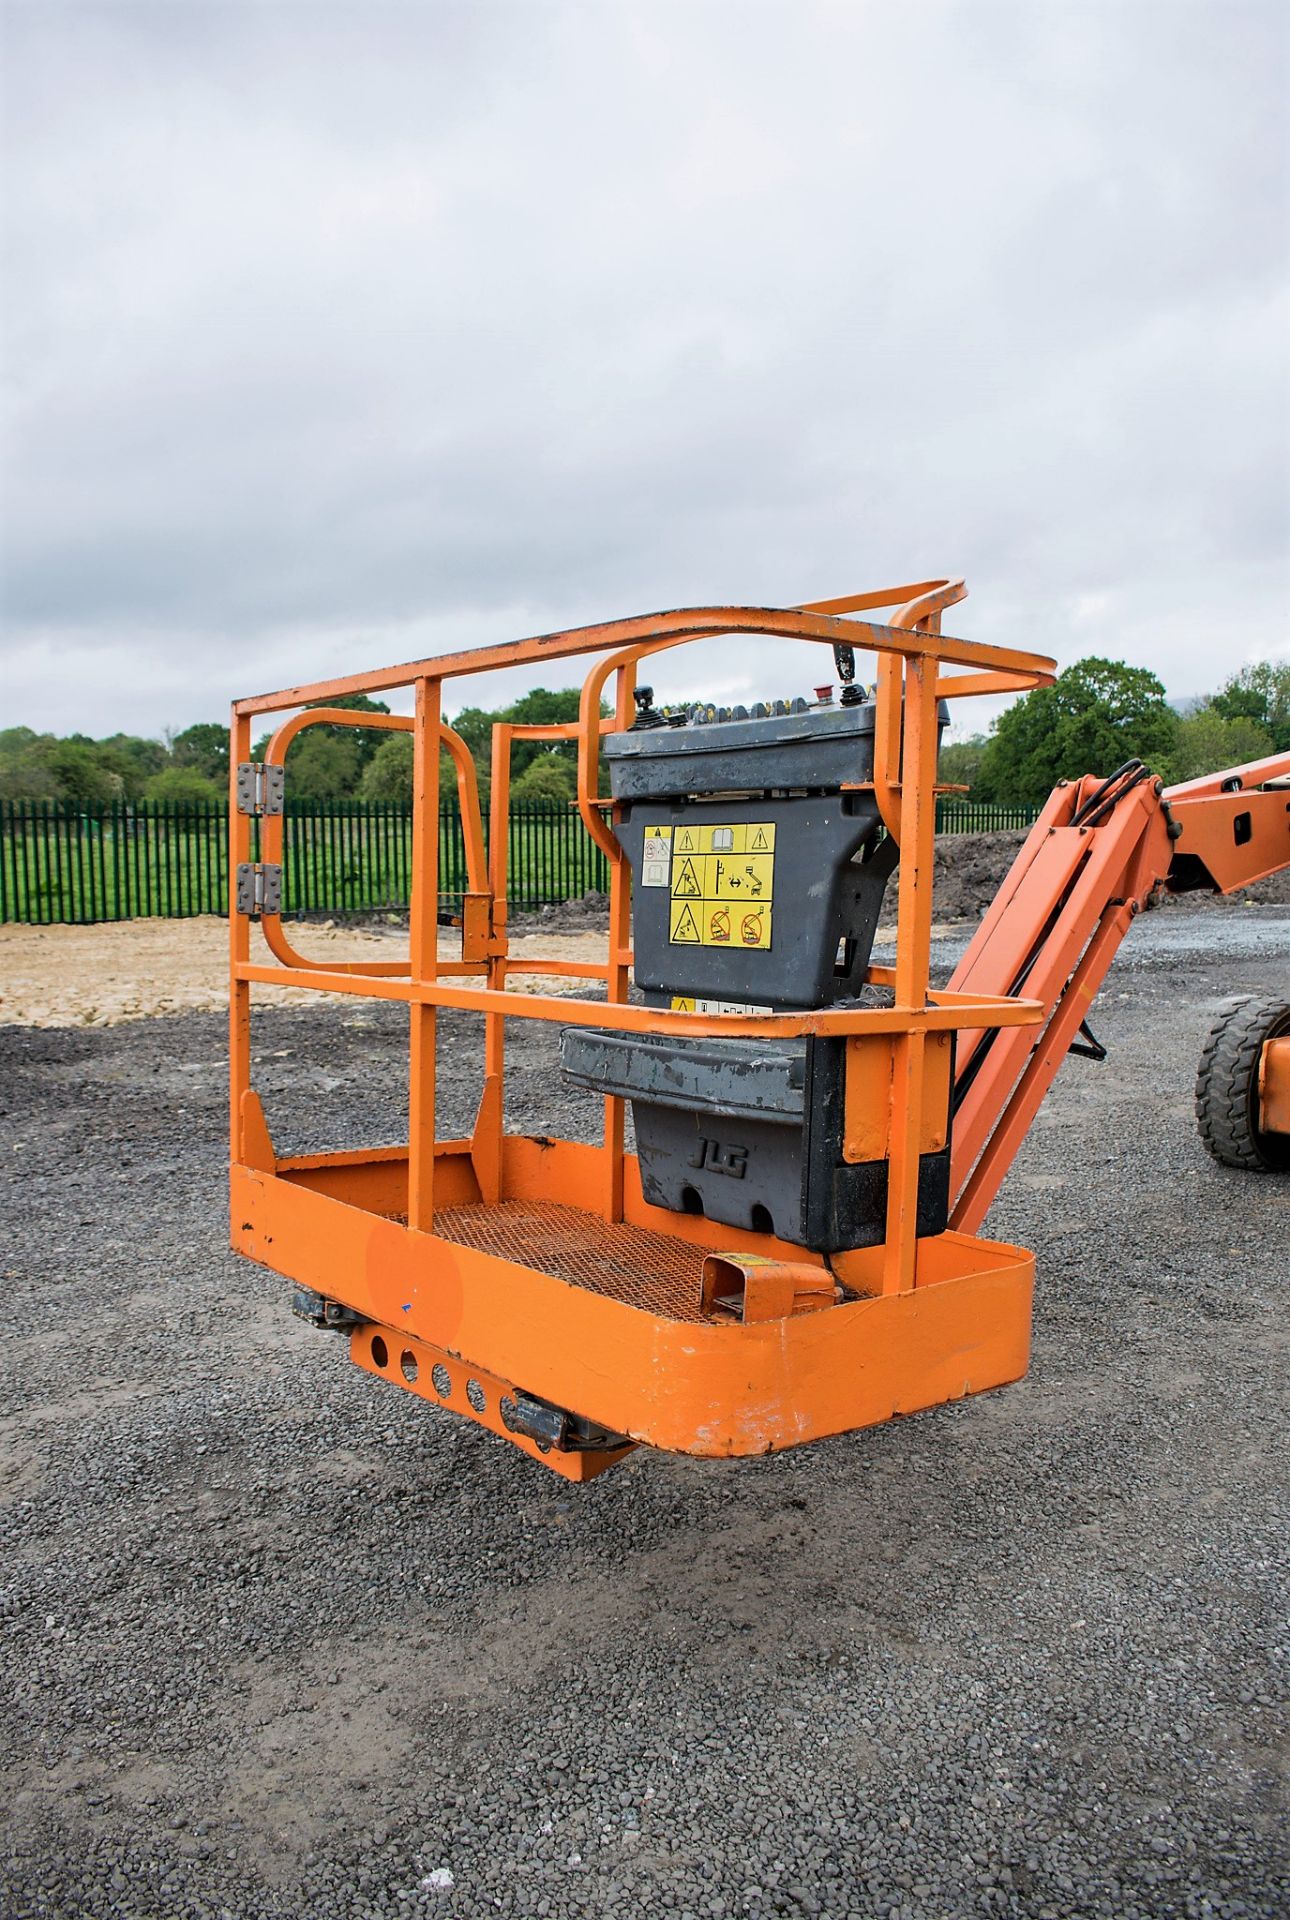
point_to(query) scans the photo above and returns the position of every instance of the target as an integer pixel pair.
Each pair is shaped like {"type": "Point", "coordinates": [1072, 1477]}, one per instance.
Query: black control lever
{"type": "Point", "coordinates": [646, 714]}
{"type": "Point", "coordinates": [844, 659]}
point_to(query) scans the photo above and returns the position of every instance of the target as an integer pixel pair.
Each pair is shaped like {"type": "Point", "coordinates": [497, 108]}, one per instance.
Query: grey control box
{"type": "Point", "coordinates": [758, 863]}
{"type": "Point", "coordinates": [759, 866]}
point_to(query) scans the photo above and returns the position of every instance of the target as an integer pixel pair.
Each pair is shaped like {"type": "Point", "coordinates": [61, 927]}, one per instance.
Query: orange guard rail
{"type": "Point", "coordinates": [384, 1230]}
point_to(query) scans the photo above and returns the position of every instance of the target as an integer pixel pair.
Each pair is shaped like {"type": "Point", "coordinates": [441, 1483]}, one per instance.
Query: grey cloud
{"type": "Point", "coordinates": [340, 334]}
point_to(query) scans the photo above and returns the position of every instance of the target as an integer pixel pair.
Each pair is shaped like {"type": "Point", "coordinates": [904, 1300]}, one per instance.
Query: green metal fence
{"type": "Point", "coordinates": [982, 816]}
{"type": "Point", "coordinates": [60, 863]}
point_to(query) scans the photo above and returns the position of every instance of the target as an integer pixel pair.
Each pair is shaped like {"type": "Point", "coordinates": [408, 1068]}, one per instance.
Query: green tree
{"type": "Point", "coordinates": [366, 741]}
{"type": "Point", "coordinates": [203, 747]}
{"type": "Point", "coordinates": [310, 770]}
{"type": "Point", "coordinates": [960, 762]}
{"type": "Point", "coordinates": [132, 760]}
{"type": "Point", "coordinates": [326, 763]}
{"type": "Point", "coordinates": [1206, 742]}
{"type": "Point", "coordinates": [1096, 715]}
{"type": "Point", "coordinates": [82, 778]}
{"type": "Point", "coordinates": [388, 774]}
{"type": "Point", "coordinates": [1260, 693]}
{"type": "Point", "coordinates": [323, 764]}
{"type": "Point", "coordinates": [475, 725]}
{"type": "Point", "coordinates": [77, 771]}
{"type": "Point", "coordinates": [542, 708]}
{"type": "Point", "coordinates": [548, 780]}
{"type": "Point", "coordinates": [184, 786]}
{"type": "Point", "coordinates": [25, 772]}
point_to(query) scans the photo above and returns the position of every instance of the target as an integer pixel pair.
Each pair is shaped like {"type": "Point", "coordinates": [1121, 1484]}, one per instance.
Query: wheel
{"type": "Point", "coordinates": [1227, 1087]}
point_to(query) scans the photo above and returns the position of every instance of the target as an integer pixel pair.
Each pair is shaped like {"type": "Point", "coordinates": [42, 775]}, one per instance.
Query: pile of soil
{"type": "Point", "coordinates": [1272, 892]}
{"type": "Point", "coordinates": [588, 914]}
{"type": "Point", "coordinates": [970, 868]}
{"type": "Point", "coordinates": [969, 871]}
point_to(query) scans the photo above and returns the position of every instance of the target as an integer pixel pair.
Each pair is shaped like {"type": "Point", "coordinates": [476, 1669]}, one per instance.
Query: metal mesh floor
{"type": "Point", "coordinates": [632, 1264]}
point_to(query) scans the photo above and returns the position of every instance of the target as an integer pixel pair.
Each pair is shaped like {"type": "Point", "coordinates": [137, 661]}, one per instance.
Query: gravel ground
{"type": "Point", "coordinates": [281, 1641]}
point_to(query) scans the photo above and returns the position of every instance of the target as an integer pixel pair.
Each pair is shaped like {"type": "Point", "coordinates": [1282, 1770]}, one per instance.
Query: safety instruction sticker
{"type": "Point", "coordinates": [656, 859]}
{"type": "Point", "coordinates": [722, 880]}
{"type": "Point", "coordinates": [753, 836]}
{"type": "Point", "coordinates": [690, 1003]}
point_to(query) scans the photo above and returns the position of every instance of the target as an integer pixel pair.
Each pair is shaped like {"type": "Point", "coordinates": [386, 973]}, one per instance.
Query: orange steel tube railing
{"type": "Point", "coordinates": [688, 623]}
{"type": "Point", "coordinates": [272, 830]}
{"type": "Point", "coordinates": [912, 659]}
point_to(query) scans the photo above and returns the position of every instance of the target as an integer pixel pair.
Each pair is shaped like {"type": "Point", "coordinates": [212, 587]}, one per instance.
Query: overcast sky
{"type": "Point", "coordinates": [336, 335]}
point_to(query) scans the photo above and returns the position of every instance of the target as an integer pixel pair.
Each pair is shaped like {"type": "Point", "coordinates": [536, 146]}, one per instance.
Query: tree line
{"type": "Point", "coordinates": [1097, 714]}
{"type": "Point", "coordinates": [327, 764]}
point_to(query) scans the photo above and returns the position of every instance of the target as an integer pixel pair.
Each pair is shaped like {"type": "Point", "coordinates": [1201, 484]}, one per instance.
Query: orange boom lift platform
{"type": "Point", "coordinates": [530, 1283]}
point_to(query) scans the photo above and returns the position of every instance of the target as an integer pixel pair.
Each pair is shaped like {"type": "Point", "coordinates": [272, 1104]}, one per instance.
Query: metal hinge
{"type": "Point", "coordinates": [260, 789]}
{"type": "Point", "coordinates": [259, 887]}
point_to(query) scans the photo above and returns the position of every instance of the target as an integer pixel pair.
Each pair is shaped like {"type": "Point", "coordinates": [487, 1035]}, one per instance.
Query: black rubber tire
{"type": "Point", "coordinates": [1227, 1087]}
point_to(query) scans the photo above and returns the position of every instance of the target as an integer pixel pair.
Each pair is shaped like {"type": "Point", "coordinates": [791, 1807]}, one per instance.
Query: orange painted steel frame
{"type": "Point", "coordinates": [923, 1320]}
{"type": "Point", "coordinates": [1057, 922]}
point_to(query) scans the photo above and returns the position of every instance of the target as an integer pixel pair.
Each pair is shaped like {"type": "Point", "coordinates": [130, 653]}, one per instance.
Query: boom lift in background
{"type": "Point", "coordinates": [793, 1250]}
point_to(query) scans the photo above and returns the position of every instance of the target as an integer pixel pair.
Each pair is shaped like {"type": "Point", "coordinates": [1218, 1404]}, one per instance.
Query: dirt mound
{"type": "Point", "coordinates": [588, 914]}
{"type": "Point", "coordinates": [969, 870]}
{"type": "Point", "coordinates": [1272, 892]}
{"type": "Point", "coordinates": [970, 867]}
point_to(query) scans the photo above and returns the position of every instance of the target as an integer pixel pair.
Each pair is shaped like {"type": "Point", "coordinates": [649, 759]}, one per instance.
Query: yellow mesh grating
{"type": "Point", "coordinates": [643, 1269]}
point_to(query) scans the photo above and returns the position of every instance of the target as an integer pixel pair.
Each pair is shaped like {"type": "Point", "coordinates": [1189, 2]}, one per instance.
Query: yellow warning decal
{"type": "Point", "coordinates": [722, 880]}
{"type": "Point", "coordinates": [742, 876]}
{"type": "Point", "coordinates": [688, 1003]}
{"type": "Point", "coordinates": [748, 836]}
{"type": "Point", "coordinates": [754, 927]}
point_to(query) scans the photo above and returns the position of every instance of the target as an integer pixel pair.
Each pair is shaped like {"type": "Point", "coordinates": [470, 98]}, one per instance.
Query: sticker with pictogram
{"type": "Point", "coordinates": [684, 929]}
{"type": "Point", "coordinates": [742, 876]}
{"type": "Point", "coordinates": [728, 873]}
{"type": "Point", "coordinates": [689, 1003]}
{"type": "Point", "coordinates": [656, 857]}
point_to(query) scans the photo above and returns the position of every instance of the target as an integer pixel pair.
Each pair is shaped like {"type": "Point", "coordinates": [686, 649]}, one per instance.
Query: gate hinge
{"type": "Point", "coordinates": [260, 789]}
{"type": "Point", "coordinates": [259, 887]}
